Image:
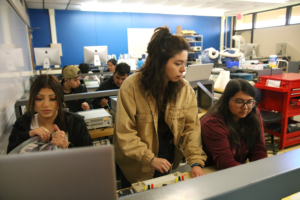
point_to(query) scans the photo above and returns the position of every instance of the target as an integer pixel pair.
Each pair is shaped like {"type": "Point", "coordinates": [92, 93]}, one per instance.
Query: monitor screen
{"type": "Point", "coordinates": [47, 56]}
{"type": "Point", "coordinates": [252, 50]}
{"type": "Point", "coordinates": [95, 55]}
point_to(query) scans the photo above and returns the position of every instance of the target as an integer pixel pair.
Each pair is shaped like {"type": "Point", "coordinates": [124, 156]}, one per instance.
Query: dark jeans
{"type": "Point", "coordinates": [165, 151]}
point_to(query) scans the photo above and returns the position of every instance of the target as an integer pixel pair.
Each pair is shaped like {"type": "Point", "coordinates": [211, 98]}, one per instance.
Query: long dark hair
{"type": "Point", "coordinates": [51, 82]}
{"type": "Point", "coordinates": [248, 128]}
{"type": "Point", "coordinates": [162, 46]}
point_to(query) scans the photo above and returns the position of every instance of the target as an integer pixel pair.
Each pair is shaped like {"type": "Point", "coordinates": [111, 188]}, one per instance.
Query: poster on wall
{"type": "Point", "coordinates": [138, 39]}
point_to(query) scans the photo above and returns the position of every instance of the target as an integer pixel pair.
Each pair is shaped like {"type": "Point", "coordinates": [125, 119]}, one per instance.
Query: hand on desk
{"type": "Point", "coordinates": [85, 106]}
{"type": "Point", "coordinates": [161, 165]}
{"type": "Point", "coordinates": [103, 102]}
{"type": "Point", "coordinates": [197, 171]}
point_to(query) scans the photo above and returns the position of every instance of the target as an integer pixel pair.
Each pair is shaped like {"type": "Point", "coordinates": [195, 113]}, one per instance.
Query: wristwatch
{"type": "Point", "coordinates": [195, 164]}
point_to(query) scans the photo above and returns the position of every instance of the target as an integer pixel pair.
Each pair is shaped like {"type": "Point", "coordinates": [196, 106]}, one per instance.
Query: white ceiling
{"type": "Point", "coordinates": [181, 7]}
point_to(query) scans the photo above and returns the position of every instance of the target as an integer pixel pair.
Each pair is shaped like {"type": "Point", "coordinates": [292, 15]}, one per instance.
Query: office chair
{"type": "Point", "coordinates": [269, 119]}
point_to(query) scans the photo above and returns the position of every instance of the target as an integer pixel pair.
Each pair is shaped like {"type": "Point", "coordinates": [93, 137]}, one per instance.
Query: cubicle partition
{"type": "Point", "coordinates": [274, 177]}
{"type": "Point", "coordinates": [21, 103]}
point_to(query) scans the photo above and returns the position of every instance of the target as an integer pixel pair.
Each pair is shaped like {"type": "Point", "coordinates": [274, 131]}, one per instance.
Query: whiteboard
{"type": "Point", "coordinates": [138, 39]}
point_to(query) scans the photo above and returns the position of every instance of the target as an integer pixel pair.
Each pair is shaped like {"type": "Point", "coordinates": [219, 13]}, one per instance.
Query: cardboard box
{"type": "Point", "coordinates": [188, 32]}
{"type": "Point", "coordinates": [179, 31]}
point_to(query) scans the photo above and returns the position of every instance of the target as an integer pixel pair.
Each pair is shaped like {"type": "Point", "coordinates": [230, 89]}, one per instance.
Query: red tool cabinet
{"type": "Point", "coordinates": [285, 99]}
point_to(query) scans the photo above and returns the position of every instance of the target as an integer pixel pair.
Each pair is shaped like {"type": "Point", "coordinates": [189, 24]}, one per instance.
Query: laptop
{"type": "Point", "coordinates": [198, 72]}
{"type": "Point", "coordinates": [79, 173]}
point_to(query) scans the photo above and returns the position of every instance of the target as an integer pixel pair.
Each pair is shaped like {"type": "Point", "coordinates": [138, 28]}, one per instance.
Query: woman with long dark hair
{"type": "Point", "coordinates": [232, 130]}
{"type": "Point", "coordinates": [157, 120]}
{"type": "Point", "coordinates": [46, 117]}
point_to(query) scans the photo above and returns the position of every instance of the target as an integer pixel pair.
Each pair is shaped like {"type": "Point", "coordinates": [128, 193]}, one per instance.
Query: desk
{"type": "Point", "coordinates": [101, 132]}
{"type": "Point", "coordinates": [279, 99]}
{"type": "Point", "coordinates": [219, 90]}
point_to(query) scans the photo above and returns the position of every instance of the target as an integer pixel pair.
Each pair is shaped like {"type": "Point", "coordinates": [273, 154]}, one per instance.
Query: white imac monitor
{"type": "Point", "coordinates": [280, 48]}
{"type": "Point", "coordinates": [95, 55]}
{"type": "Point", "coordinates": [251, 50]}
{"type": "Point", "coordinates": [46, 57]}
{"type": "Point", "coordinates": [11, 58]}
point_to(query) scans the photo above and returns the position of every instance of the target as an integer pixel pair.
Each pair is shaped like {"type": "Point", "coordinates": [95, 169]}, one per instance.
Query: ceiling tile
{"type": "Point", "coordinates": [192, 4]}
{"type": "Point", "coordinates": [131, 1]}
{"type": "Point", "coordinates": [57, 1]}
{"type": "Point", "coordinates": [153, 2]}
{"type": "Point", "coordinates": [34, 1]}
{"type": "Point", "coordinates": [173, 3]}
{"type": "Point", "coordinates": [81, 1]}
{"type": "Point", "coordinates": [35, 5]}
{"type": "Point", "coordinates": [74, 7]}
{"type": "Point", "coordinates": [108, 1]}
{"type": "Point", "coordinates": [58, 6]}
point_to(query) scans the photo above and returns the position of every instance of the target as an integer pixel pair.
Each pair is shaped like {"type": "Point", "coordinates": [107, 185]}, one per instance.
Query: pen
{"type": "Point", "coordinates": [108, 106]}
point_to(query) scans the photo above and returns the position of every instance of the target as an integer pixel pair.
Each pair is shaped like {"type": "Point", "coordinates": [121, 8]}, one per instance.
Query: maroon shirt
{"type": "Point", "coordinates": [216, 144]}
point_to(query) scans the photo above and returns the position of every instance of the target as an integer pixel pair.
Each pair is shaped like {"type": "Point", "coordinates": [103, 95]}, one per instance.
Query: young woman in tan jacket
{"type": "Point", "coordinates": [157, 119]}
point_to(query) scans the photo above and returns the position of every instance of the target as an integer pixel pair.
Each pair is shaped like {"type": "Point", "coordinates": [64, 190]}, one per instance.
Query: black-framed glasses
{"type": "Point", "coordinates": [241, 103]}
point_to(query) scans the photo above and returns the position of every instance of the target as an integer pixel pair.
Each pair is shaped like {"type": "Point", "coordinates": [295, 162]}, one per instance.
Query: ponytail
{"type": "Point", "coordinates": [162, 46]}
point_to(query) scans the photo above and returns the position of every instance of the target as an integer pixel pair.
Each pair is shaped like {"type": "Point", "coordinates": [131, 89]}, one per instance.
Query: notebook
{"type": "Point", "coordinates": [198, 72]}
{"type": "Point", "coordinates": [79, 173]}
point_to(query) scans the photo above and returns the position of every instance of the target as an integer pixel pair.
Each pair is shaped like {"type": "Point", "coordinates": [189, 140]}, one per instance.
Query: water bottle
{"type": "Point", "coordinates": [241, 61]}
{"type": "Point", "coordinates": [140, 63]}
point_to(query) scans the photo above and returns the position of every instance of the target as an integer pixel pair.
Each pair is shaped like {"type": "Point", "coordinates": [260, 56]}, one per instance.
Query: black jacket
{"type": "Point", "coordinates": [109, 84]}
{"type": "Point", "coordinates": [78, 134]}
{"type": "Point", "coordinates": [75, 105]}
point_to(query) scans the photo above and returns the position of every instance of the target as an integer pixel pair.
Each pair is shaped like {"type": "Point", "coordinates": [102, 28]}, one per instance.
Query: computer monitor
{"type": "Point", "coordinates": [78, 173]}
{"type": "Point", "coordinates": [280, 48]}
{"type": "Point", "coordinates": [11, 58]}
{"type": "Point", "coordinates": [47, 56]}
{"type": "Point", "coordinates": [95, 55]}
{"type": "Point", "coordinates": [251, 50]}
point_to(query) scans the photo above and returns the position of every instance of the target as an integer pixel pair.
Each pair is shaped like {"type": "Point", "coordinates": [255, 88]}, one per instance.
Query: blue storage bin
{"type": "Point", "coordinates": [231, 64]}
{"type": "Point", "coordinates": [245, 76]}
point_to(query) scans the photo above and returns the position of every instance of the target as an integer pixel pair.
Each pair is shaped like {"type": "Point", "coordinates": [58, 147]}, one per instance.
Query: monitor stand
{"type": "Point", "coordinates": [97, 60]}
{"type": "Point", "coordinates": [253, 54]}
{"type": "Point", "coordinates": [46, 63]}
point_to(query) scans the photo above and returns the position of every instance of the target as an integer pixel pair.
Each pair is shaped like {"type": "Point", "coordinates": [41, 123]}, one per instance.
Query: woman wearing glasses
{"type": "Point", "coordinates": [232, 130]}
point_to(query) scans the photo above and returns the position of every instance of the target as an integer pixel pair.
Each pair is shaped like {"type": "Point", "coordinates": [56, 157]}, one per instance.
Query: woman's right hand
{"type": "Point", "coordinates": [42, 132]}
{"type": "Point", "coordinates": [160, 164]}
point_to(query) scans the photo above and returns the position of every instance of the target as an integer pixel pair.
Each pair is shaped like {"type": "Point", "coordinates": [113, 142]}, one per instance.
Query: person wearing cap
{"type": "Point", "coordinates": [114, 82]}
{"type": "Point", "coordinates": [71, 85]}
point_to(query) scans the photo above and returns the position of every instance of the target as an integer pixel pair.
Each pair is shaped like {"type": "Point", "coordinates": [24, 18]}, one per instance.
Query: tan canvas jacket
{"type": "Point", "coordinates": [135, 133]}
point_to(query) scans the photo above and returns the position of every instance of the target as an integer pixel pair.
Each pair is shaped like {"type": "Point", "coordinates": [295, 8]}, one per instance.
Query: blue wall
{"type": "Point", "coordinates": [76, 29]}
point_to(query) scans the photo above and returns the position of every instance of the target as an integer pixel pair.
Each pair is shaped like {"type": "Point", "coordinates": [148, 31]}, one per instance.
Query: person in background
{"type": "Point", "coordinates": [111, 65]}
{"type": "Point", "coordinates": [157, 119]}
{"type": "Point", "coordinates": [46, 115]}
{"type": "Point", "coordinates": [71, 85]}
{"type": "Point", "coordinates": [232, 130]}
{"type": "Point", "coordinates": [85, 69]}
{"type": "Point", "coordinates": [114, 82]}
